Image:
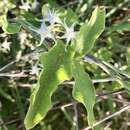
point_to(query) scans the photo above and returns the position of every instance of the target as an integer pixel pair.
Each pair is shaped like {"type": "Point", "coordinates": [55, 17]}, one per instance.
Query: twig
{"type": "Point", "coordinates": [112, 93]}
{"type": "Point", "coordinates": [3, 125]}
{"type": "Point", "coordinates": [70, 3]}
{"type": "Point", "coordinates": [12, 121]}
{"type": "Point", "coordinates": [109, 117]}
{"type": "Point", "coordinates": [121, 101]}
{"type": "Point", "coordinates": [116, 8]}
{"type": "Point", "coordinates": [21, 74]}
{"type": "Point", "coordinates": [24, 85]}
{"type": "Point", "coordinates": [109, 79]}
{"type": "Point", "coordinates": [63, 106]}
{"type": "Point", "coordinates": [76, 117]}
{"type": "Point", "coordinates": [108, 125]}
{"type": "Point", "coordinates": [68, 117]}
{"type": "Point", "coordinates": [8, 65]}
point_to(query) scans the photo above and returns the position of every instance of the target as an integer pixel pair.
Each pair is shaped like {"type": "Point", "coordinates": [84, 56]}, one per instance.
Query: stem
{"type": "Point", "coordinates": [108, 68]}
{"type": "Point", "coordinates": [19, 103]}
{"type": "Point", "coordinates": [76, 117]}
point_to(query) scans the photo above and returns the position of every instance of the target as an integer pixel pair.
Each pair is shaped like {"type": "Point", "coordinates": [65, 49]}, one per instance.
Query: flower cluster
{"type": "Point", "coordinates": [49, 23]}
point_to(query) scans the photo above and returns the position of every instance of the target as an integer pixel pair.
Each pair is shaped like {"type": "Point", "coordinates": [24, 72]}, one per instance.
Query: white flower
{"type": "Point", "coordinates": [69, 32]}
{"type": "Point", "coordinates": [6, 45]}
{"type": "Point", "coordinates": [25, 5]}
{"type": "Point", "coordinates": [44, 32]}
{"type": "Point", "coordinates": [52, 17]}
{"type": "Point", "coordinates": [35, 70]}
{"type": "Point", "coordinates": [22, 37]}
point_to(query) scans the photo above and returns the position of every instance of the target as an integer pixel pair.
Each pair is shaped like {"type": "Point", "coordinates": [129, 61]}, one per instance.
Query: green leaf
{"type": "Point", "coordinates": [69, 16]}
{"type": "Point", "coordinates": [119, 27]}
{"type": "Point", "coordinates": [52, 3]}
{"type": "Point", "coordinates": [83, 90]}
{"type": "Point", "coordinates": [9, 28]}
{"type": "Point", "coordinates": [31, 18]}
{"type": "Point", "coordinates": [124, 84]}
{"type": "Point", "coordinates": [128, 56]}
{"type": "Point", "coordinates": [6, 95]}
{"type": "Point", "coordinates": [90, 32]}
{"type": "Point", "coordinates": [57, 68]}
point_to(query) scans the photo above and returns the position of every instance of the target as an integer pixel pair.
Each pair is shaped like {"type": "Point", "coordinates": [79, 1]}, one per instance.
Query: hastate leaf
{"type": "Point", "coordinates": [90, 31]}
{"type": "Point", "coordinates": [83, 90]}
{"type": "Point", "coordinates": [57, 68]}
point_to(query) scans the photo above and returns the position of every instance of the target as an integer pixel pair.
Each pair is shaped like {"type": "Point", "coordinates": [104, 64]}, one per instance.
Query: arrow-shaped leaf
{"type": "Point", "coordinates": [83, 90]}
{"type": "Point", "coordinates": [57, 68]}
{"type": "Point", "coordinates": [90, 31]}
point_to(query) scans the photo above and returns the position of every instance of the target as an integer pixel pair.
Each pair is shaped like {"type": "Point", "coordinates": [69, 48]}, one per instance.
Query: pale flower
{"type": "Point", "coordinates": [44, 32]}
{"type": "Point", "coordinates": [6, 45]}
{"type": "Point", "coordinates": [34, 70]}
{"type": "Point", "coordinates": [69, 32]}
{"type": "Point", "coordinates": [52, 17]}
{"type": "Point", "coordinates": [25, 5]}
